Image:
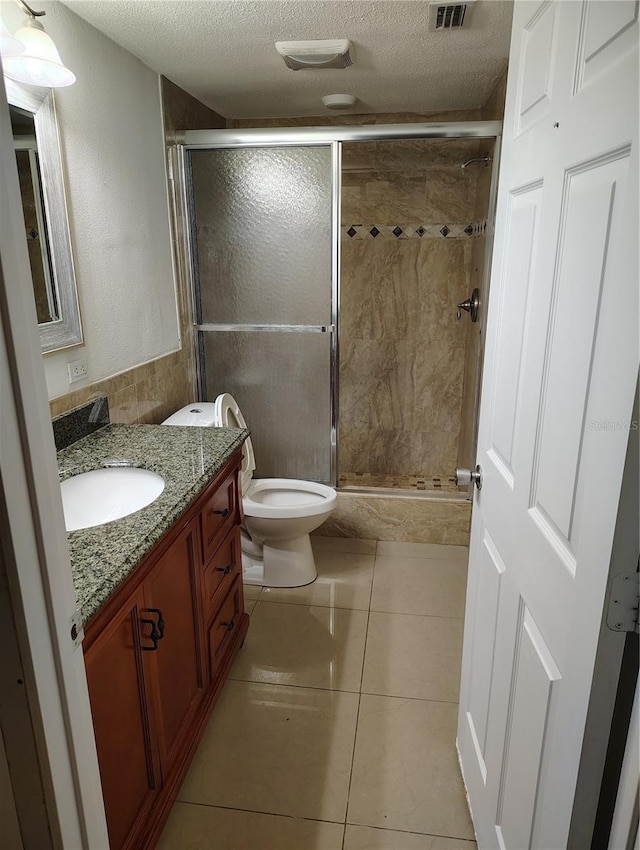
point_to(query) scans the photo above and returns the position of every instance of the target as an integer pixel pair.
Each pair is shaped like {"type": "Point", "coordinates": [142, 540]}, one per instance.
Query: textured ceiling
{"type": "Point", "coordinates": [222, 52]}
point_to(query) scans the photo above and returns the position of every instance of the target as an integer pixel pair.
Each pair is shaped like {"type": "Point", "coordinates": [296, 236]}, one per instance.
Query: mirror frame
{"type": "Point", "coordinates": [65, 331]}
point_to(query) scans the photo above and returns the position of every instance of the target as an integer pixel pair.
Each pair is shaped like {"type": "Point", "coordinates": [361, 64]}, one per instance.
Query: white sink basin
{"type": "Point", "coordinates": [102, 495]}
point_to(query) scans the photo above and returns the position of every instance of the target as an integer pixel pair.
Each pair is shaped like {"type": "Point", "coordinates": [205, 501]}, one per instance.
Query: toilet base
{"type": "Point", "coordinates": [284, 563]}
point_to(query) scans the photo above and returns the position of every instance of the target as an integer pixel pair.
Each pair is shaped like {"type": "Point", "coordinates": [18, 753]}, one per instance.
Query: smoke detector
{"type": "Point", "coordinates": [339, 101]}
{"type": "Point", "coordinates": [316, 54]}
{"type": "Point", "coordinates": [449, 16]}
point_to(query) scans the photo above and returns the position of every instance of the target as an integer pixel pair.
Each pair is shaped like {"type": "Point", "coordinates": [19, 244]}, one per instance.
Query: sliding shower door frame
{"type": "Point", "coordinates": [332, 137]}
{"type": "Point", "coordinates": [200, 327]}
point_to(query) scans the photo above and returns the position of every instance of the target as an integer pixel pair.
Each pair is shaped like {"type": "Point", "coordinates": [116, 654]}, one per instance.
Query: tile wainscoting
{"type": "Point", "coordinates": [144, 395]}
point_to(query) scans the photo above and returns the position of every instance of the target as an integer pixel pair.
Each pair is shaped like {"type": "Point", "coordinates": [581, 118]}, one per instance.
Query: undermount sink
{"type": "Point", "coordinates": [103, 495]}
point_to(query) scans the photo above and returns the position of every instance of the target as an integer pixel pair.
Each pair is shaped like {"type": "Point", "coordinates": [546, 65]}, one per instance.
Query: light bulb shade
{"type": "Point", "coordinates": [9, 46]}
{"type": "Point", "coordinates": [40, 64]}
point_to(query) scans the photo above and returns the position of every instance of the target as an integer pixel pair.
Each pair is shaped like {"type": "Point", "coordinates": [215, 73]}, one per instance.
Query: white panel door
{"type": "Point", "coordinates": [560, 370]}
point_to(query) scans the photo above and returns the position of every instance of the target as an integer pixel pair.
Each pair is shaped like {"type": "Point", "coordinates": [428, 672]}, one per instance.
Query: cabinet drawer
{"type": "Point", "coordinates": [222, 628]}
{"type": "Point", "coordinates": [220, 512]}
{"type": "Point", "coordinates": [221, 572]}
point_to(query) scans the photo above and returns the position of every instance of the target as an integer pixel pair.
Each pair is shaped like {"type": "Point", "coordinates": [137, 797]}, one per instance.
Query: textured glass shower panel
{"type": "Point", "coordinates": [263, 234]}
{"type": "Point", "coordinates": [282, 383]}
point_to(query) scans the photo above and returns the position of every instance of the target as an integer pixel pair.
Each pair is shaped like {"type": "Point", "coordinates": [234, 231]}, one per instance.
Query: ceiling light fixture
{"type": "Point", "coordinates": [315, 54]}
{"type": "Point", "coordinates": [9, 46]}
{"type": "Point", "coordinates": [40, 63]}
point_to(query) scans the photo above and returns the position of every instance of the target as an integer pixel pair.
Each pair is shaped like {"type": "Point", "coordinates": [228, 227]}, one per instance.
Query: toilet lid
{"type": "Point", "coordinates": [227, 414]}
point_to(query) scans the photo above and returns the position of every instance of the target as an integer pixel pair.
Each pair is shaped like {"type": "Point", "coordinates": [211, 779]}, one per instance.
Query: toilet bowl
{"type": "Point", "coordinates": [279, 513]}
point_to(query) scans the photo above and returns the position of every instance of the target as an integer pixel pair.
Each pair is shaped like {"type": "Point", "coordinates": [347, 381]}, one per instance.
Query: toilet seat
{"type": "Point", "coordinates": [227, 414]}
{"type": "Point", "coordinates": [287, 498]}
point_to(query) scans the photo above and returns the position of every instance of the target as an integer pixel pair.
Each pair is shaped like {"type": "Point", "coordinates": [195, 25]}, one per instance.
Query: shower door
{"type": "Point", "coordinates": [262, 234]}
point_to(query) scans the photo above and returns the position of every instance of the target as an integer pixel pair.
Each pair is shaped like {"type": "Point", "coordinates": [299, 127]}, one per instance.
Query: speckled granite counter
{"type": "Point", "coordinates": [187, 458]}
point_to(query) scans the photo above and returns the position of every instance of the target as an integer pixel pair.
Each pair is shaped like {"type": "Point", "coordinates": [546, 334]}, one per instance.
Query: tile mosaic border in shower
{"type": "Point", "coordinates": [426, 483]}
{"type": "Point", "coordinates": [469, 230]}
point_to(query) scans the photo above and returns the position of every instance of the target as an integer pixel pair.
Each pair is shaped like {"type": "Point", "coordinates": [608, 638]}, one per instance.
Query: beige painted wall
{"type": "Point", "coordinates": [112, 147]}
{"type": "Point", "coordinates": [148, 393]}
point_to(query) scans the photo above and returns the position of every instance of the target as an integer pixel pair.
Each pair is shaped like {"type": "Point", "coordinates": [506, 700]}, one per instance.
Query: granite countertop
{"type": "Point", "coordinates": [187, 458]}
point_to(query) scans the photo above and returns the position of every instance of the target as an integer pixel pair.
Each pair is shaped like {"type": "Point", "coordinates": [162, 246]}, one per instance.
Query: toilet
{"type": "Point", "coordinates": [279, 513]}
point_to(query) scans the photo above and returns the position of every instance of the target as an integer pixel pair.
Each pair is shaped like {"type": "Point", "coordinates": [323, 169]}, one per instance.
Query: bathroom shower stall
{"type": "Point", "coordinates": [327, 268]}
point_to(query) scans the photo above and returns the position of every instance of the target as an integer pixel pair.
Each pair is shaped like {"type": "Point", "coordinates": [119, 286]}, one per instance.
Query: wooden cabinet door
{"type": "Point", "coordinates": [172, 593]}
{"type": "Point", "coordinates": [122, 719]}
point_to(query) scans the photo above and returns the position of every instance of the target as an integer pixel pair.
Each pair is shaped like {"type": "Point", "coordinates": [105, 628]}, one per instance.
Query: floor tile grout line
{"type": "Point", "coordinates": [353, 758]}
{"type": "Point", "coordinates": [289, 685]}
{"type": "Point", "coordinates": [411, 614]}
{"type": "Point", "coordinates": [370, 610]}
{"type": "Point", "coordinates": [355, 737]}
{"type": "Point", "coordinates": [343, 691]}
{"type": "Point", "coordinates": [415, 699]}
{"type": "Point", "coordinates": [322, 550]}
{"type": "Point", "coordinates": [412, 832]}
{"type": "Point", "coordinates": [344, 823]}
{"type": "Point", "coordinates": [258, 812]}
{"type": "Point", "coordinates": [318, 605]}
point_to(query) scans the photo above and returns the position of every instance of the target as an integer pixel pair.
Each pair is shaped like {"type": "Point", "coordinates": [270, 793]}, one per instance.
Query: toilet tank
{"type": "Point", "coordinates": [199, 413]}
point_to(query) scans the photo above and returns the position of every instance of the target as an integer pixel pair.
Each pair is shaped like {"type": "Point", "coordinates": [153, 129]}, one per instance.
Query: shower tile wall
{"type": "Point", "coordinates": [402, 355]}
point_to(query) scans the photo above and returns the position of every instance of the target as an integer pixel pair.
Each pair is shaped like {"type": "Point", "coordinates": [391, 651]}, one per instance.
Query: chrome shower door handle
{"type": "Point", "coordinates": [464, 477]}
{"type": "Point", "coordinates": [470, 306]}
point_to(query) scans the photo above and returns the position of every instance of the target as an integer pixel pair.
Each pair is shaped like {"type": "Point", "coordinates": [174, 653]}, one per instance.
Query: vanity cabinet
{"type": "Point", "coordinates": [157, 654]}
{"type": "Point", "coordinates": [123, 721]}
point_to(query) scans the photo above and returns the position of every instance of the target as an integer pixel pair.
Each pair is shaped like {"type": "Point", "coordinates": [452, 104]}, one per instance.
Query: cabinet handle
{"type": "Point", "coordinates": [223, 513]}
{"type": "Point", "coordinates": [160, 624]}
{"type": "Point", "coordinates": [153, 637]}
{"type": "Point", "coordinates": [228, 625]}
{"type": "Point", "coordinates": [224, 570]}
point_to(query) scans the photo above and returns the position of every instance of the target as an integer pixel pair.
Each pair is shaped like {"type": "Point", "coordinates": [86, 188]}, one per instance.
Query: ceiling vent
{"type": "Point", "coordinates": [316, 54]}
{"type": "Point", "coordinates": [449, 16]}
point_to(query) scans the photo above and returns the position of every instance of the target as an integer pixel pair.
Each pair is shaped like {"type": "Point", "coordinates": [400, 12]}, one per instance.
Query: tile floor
{"type": "Point", "coordinates": [336, 729]}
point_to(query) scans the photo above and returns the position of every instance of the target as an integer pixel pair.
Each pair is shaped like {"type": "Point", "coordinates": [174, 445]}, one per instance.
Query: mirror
{"type": "Point", "coordinates": [37, 146]}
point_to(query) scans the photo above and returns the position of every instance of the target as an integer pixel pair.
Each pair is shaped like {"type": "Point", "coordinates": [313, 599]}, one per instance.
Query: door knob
{"type": "Point", "coordinates": [470, 306]}
{"type": "Point", "coordinates": [464, 477]}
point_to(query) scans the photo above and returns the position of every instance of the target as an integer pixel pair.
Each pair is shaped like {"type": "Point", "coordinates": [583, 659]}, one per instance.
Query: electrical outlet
{"type": "Point", "coordinates": [77, 370]}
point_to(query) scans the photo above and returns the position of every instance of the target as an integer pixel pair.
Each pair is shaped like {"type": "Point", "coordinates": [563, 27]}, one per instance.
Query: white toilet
{"type": "Point", "coordinates": [279, 513]}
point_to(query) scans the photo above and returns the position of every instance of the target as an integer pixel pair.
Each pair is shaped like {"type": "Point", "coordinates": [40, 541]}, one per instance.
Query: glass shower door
{"type": "Point", "coordinates": [262, 236]}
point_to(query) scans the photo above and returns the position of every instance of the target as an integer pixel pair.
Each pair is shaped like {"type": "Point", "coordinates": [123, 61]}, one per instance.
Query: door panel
{"type": "Point", "coordinates": [560, 372]}
{"type": "Point", "coordinates": [537, 68]}
{"type": "Point", "coordinates": [115, 678]}
{"type": "Point", "coordinates": [520, 265]}
{"type": "Point", "coordinates": [532, 679]}
{"type": "Point", "coordinates": [173, 589]}
{"type": "Point", "coordinates": [593, 200]}
{"type": "Point", "coordinates": [607, 34]}
{"type": "Point", "coordinates": [491, 569]}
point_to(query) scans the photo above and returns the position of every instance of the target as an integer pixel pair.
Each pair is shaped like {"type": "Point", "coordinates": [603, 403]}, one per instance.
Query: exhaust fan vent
{"type": "Point", "coordinates": [449, 16]}
{"type": "Point", "coordinates": [318, 54]}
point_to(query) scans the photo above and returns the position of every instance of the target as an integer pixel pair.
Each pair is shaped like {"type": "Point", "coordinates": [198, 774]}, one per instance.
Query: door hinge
{"type": "Point", "coordinates": [624, 601]}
